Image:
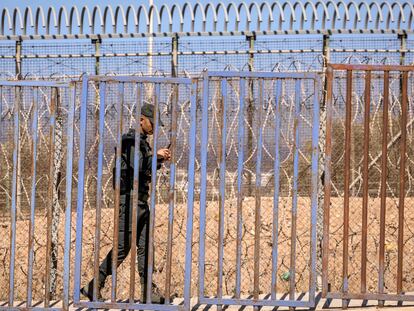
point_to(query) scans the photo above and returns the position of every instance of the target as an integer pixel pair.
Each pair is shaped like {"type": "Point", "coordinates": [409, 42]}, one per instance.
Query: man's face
{"type": "Point", "coordinates": [146, 125]}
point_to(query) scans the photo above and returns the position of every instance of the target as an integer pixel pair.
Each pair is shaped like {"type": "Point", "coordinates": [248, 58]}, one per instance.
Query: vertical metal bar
{"type": "Point", "coordinates": [403, 150]}
{"type": "Point", "coordinates": [81, 188]}
{"type": "Point", "coordinates": [16, 112]}
{"type": "Point", "coordinates": [322, 140]}
{"type": "Point", "coordinates": [367, 96]}
{"type": "Point", "coordinates": [135, 194]}
{"type": "Point", "coordinates": [171, 192]}
{"type": "Point", "coordinates": [68, 211]}
{"type": "Point", "coordinates": [250, 116]}
{"type": "Point", "coordinates": [222, 190]}
{"type": "Point", "coordinates": [203, 184]}
{"type": "Point", "coordinates": [242, 94]}
{"type": "Point", "coordinates": [383, 189]}
{"type": "Point", "coordinates": [292, 274]}
{"type": "Point", "coordinates": [347, 166]}
{"type": "Point", "coordinates": [102, 88]}
{"type": "Point", "coordinates": [190, 201]}
{"type": "Point", "coordinates": [278, 99]}
{"type": "Point", "coordinates": [120, 108]}
{"type": "Point", "coordinates": [18, 64]}
{"type": "Point", "coordinates": [150, 259]}
{"type": "Point", "coordinates": [97, 44]}
{"type": "Point", "coordinates": [403, 47]}
{"type": "Point", "coordinates": [174, 56]}
{"type": "Point", "coordinates": [52, 125]}
{"type": "Point", "coordinates": [314, 191]}
{"type": "Point", "coordinates": [327, 182]}
{"type": "Point", "coordinates": [258, 192]}
{"type": "Point", "coordinates": [32, 200]}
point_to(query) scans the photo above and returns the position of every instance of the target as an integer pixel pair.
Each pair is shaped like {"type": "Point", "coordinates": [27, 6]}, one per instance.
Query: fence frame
{"type": "Point", "coordinates": [381, 296]}
{"type": "Point", "coordinates": [202, 299]}
{"type": "Point", "coordinates": [18, 84]}
{"type": "Point", "coordinates": [192, 83]}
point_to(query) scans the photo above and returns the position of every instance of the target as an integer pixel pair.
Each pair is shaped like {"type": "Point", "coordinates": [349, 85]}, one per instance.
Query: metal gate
{"type": "Point", "coordinates": [274, 119]}
{"type": "Point", "coordinates": [121, 99]}
{"type": "Point", "coordinates": [30, 122]}
{"type": "Point", "coordinates": [366, 174]}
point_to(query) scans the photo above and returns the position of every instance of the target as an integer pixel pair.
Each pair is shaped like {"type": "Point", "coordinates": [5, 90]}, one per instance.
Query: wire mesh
{"type": "Point", "coordinates": [271, 53]}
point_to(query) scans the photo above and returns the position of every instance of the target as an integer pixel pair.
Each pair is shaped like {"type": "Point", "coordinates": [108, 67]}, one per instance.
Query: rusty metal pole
{"type": "Point", "coordinates": [403, 148]}
{"type": "Point", "coordinates": [174, 58]}
{"type": "Point", "coordinates": [18, 64]}
{"type": "Point", "coordinates": [322, 140]}
{"type": "Point", "coordinates": [250, 115]}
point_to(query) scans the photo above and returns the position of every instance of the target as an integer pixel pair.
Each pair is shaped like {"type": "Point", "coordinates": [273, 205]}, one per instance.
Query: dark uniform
{"type": "Point", "coordinates": [125, 215]}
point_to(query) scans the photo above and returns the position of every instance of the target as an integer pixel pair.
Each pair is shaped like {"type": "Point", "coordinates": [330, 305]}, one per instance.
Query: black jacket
{"type": "Point", "coordinates": [127, 165]}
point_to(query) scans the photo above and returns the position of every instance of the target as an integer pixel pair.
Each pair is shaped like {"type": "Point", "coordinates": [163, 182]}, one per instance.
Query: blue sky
{"type": "Point", "coordinates": [45, 3]}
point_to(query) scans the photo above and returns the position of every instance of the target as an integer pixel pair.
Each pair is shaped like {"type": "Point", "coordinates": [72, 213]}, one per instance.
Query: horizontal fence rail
{"type": "Point", "coordinates": [380, 108]}
{"type": "Point", "coordinates": [188, 19]}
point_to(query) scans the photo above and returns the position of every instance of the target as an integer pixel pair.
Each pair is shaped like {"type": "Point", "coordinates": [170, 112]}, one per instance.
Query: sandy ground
{"type": "Point", "coordinates": [211, 237]}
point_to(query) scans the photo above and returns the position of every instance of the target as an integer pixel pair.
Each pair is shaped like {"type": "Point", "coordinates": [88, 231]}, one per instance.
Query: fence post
{"type": "Point", "coordinates": [322, 139]}
{"type": "Point", "coordinates": [97, 44]}
{"type": "Point", "coordinates": [403, 47]}
{"type": "Point", "coordinates": [250, 115]}
{"type": "Point", "coordinates": [18, 51]}
{"type": "Point", "coordinates": [19, 76]}
{"type": "Point", "coordinates": [174, 56]}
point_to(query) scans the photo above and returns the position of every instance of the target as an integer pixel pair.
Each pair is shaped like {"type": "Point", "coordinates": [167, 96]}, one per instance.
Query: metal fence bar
{"type": "Point", "coordinates": [81, 189]}
{"type": "Point", "coordinates": [258, 302]}
{"type": "Point", "coordinates": [275, 237]}
{"type": "Point", "coordinates": [371, 67]}
{"type": "Point", "coordinates": [52, 127]}
{"type": "Point", "coordinates": [68, 211]}
{"type": "Point", "coordinates": [381, 264]}
{"type": "Point", "coordinates": [33, 83]}
{"type": "Point", "coordinates": [120, 106]}
{"type": "Point", "coordinates": [102, 90]}
{"type": "Point", "coordinates": [222, 190]}
{"type": "Point", "coordinates": [364, 237]}
{"type": "Point", "coordinates": [171, 191]}
{"type": "Point", "coordinates": [140, 79]}
{"type": "Point", "coordinates": [292, 274]}
{"type": "Point", "coordinates": [403, 150]}
{"type": "Point", "coordinates": [190, 199]}
{"type": "Point", "coordinates": [150, 258]}
{"type": "Point", "coordinates": [314, 192]}
{"type": "Point", "coordinates": [137, 145]}
{"type": "Point", "coordinates": [15, 185]}
{"type": "Point", "coordinates": [242, 90]}
{"type": "Point", "coordinates": [32, 199]}
{"type": "Point", "coordinates": [258, 193]}
{"type": "Point", "coordinates": [203, 184]}
{"type": "Point", "coordinates": [124, 306]}
{"type": "Point", "coordinates": [327, 182]}
{"type": "Point", "coordinates": [347, 167]}
{"type": "Point", "coordinates": [371, 296]}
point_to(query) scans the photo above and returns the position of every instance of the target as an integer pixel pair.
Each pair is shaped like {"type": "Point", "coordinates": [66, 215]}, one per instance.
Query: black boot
{"type": "Point", "coordinates": [87, 290]}
{"type": "Point", "coordinates": [156, 296]}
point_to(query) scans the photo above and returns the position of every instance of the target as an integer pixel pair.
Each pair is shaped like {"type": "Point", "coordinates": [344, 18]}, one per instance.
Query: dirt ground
{"type": "Point", "coordinates": [211, 251]}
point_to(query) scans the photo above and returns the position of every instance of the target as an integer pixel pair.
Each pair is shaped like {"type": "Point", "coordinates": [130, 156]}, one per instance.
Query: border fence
{"type": "Point", "coordinates": [59, 45]}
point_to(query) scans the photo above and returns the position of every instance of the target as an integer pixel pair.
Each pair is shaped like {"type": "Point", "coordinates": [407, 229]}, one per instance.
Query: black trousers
{"type": "Point", "coordinates": [124, 239]}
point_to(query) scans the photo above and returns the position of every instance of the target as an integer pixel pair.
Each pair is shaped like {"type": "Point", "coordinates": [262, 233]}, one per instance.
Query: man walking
{"type": "Point", "coordinates": [125, 213]}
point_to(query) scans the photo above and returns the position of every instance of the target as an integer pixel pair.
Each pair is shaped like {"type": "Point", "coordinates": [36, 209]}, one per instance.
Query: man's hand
{"type": "Point", "coordinates": [164, 155]}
